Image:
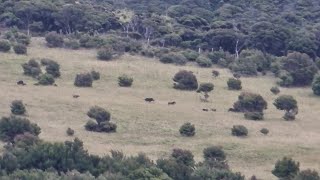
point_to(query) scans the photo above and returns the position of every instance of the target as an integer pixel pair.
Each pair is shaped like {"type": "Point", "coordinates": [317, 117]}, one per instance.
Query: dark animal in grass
{"type": "Point", "coordinates": [56, 85]}
{"type": "Point", "coordinates": [21, 83]}
{"type": "Point", "coordinates": [149, 100]}
{"type": "Point", "coordinates": [206, 110]}
{"type": "Point", "coordinates": [236, 75]}
{"type": "Point", "coordinates": [75, 96]}
{"type": "Point", "coordinates": [172, 103]}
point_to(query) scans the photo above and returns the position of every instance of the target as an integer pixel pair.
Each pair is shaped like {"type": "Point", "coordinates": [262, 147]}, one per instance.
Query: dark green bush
{"type": "Point", "coordinates": [216, 56]}
{"type": "Point", "coordinates": [234, 84]}
{"type": "Point", "coordinates": [190, 55]}
{"type": "Point", "coordinates": [95, 75]}
{"type": "Point", "coordinates": [46, 79]}
{"type": "Point", "coordinates": [91, 125]}
{"type": "Point", "coordinates": [187, 129]}
{"type": "Point", "coordinates": [175, 58]}
{"type": "Point", "coordinates": [105, 53]}
{"type": "Point", "coordinates": [256, 116]}
{"type": "Point", "coordinates": [205, 87]}
{"type": "Point", "coordinates": [125, 81]}
{"type": "Point", "coordinates": [285, 102]}
{"type": "Point", "coordinates": [316, 85]}
{"type": "Point", "coordinates": [213, 153]}
{"type": "Point", "coordinates": [22, 38]}
{"type": "Point", "coordinates": [264, 131]}
{"type": "Point", "coordinates": [250, 102]}
{"type": "Point", "coordinates": [13, 125]}
{"type": "Point", "coordinates": [107, 127]}
{"type": "Point", "coordinates": [52, 67]}
{"type": "Point", "coordinates": [20, 49]}
{"type": "Point", "coordinates": [286, 168]}
{"type": "Point", "coordinates": [286, 79]}
{"type": "Point", "coordinates": [31, 68]}
{"type": "Point", "coordinates": [239, 130]}
{"type": "Point", "coordinates": [72, 44]}
{"type": "Point", "coordinates": [83, 80]}
{"type": "Point", "coordinates": [5, 46]}
{"type": "Point", "coordinates": [183, 157]}
{"type": "Point", "coordinates": [307, 175]}
{"type": "Point", "coordinates": [70, 132]}
{"type": "Point", "coordinates": [17, 107]}
{"type": "Point", "coordinates": [185, 80]}
{"type": "Point", "coordinates": [275, 90]}
{"type": "Point", "coordinates": [203, 61]}
{"type": "Point", "coordinates": [54, 40]}
{"type": "Point", "coordinates": [99, 114]}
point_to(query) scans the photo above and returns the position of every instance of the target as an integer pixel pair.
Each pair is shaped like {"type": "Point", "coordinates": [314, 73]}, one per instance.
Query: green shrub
{"type": "Point", "coordinates": [307, 175]}
{"type": "Point", "coordinates": [264, 131]}
{"type": "Point", "coordinates": [72, 44]}
{"type": "Point", "coordinates": [185, 80]}
{"type": "Point", "coordinates": [22, 38]}
{"type": "Point", "coordinates": [239, 130]}
{"type": "Point", "coordinates": [300, 67]}
{"type": "Point", "coordinates": [125, 81]}
{"type": "Point", "coordinates": [99, 114]}
{"type": "Point", "coordinates": [46, 79]}
{"type": "Point", "coordinates": [205, 87]}
{"type": "Point", "coordinates": [95, 75]}
{"type": "Point", "coordinates": [52, 67]}
{"type": "Point", "coordinates": [70, 132]}
{"type": "Point", "coordinates": [213, 153]}
{"type": "Point", "coordinates": [91, 125]}
{"type": "Point", "coordinates": [250, 102]}
{"type": "Point", "coordinates": [13, 125]}
{"type": "Point", "coordinates": [148, 52]}
{"type": "Point", "coordinates": [275, 90]}
{"type": "Point", "coordinates": [20, 49]}
{"type": "Point", "coordinates": [31, 68]}
{"type": "Point", "coordinates": [105, 53]}
{"type": "Point", "coordinates": [285, 102]}
{"type": "Point", "coordinates": [234, 84]}
{"type": "Point", "coordinates": [286, 79]}
{"type": "Point", "coordinates": [254, 115]}
{"type": "Point", "coordinates": [244, 67]}
{"type": "Point", "coordinates": [187, 129]}
{"type": "Point", "coordinates": [107, 127]}
{"type": "Point", "coordinates": [316, 85]}
{"type": "Point", "coordinates": [184, 157]}
{"type": "Point", "coordinates": [54, 40]}
{"type": "Point", "coordinates": [286, 168]}
{"type": "Point", "coordinates": [216, 56]}
{"type": "Point", "coordinates": [190, 55]}
{"type": "Point", "coordinates": [175, 58]}
{"type": "Point", "coordinates": [204, 62]}
{"type": "Point", "coordinates": [5, 46]}
{"type": "Point", "coordinates": [83, 80]}
{"type": "Point", "coordinates": [17, 107]}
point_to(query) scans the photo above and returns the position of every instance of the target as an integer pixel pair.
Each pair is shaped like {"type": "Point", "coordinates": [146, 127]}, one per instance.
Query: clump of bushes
{"type": "Point", "coordinates": [185, 80]}
{"type": "Point", "coordinates": [204, 62]}
{"type": "Point", "coordinates": [54, 40]}
{"type": "Point", "coordinates": [307, 175]}
{"type": "Point", "coordinates": [254, 115]}
{"type": "Point", "coordinates": [250, 102]}
{"type": "Point", "coordinates": [234, 84]}
{"type": "Point", "coordinates": [316, 85]}
{"type": "Point", "coordinates": [46, 79]}
{"type": "Point", "coordinates": [102, 118]}
{"type": "Point", "coordinates": [125, 81]}
{"type": "Point", "coordinates": [264, 131]}
{"type": "Point", "coordinates": [187, 129]}
{"type": "Point", "coordinates": [105, 53]}
{"type": "Point", "coordinates": [5, 46]}
{"type": "Point", "coordinates": [216, 56]}
{"type": "Point", "coordinates": [289, 104]}
{"type": "Point", "coordinates": [175, 58]}
{"type": "Point", "coordinates": [286, 168]}
{"type": "Point", "coordinates": [20, 49]}
{"type": "Point", "coordinates": [17, 107]}
{"type": "Point", "coordinates": [70, 132]}
{"type": "Point", "coordinates": [72, 44]}
{"type": "Point", "coordinates": [95, 75]}
{"type": "Point", "coordinates": [275, 90]}
{"type": "Point", "coordinates": [14, 125]}
{"type": "Point", "coordinates": [83, 80]}
{"type": "Point", "coordinates": [190, 55]}
{"type": "Point", "coordinates": [31, 68]}
{"type": "Point", "coordinates": [239, 130]}
{"type": "Point", "coordinates": [52, 67]}
{"type": "Point", "coordinates": [205, 87]}
{"type": "Point", "coordinates": [215, 157]}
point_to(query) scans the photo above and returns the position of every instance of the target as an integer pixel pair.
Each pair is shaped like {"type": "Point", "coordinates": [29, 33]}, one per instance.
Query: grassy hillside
{"type": "Point", "coordinates": [153, 128]}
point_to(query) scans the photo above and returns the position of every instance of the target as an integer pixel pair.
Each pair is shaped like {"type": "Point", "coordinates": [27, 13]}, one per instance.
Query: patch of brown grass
{"type": "Point", "coordinates": [153, 128]}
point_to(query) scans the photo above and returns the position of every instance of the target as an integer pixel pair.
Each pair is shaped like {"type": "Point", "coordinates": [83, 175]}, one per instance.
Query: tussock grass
{"type": "Point", "coordinates": [154, 128]}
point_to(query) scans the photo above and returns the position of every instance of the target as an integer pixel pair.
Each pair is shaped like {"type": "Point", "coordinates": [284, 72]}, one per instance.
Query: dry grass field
{"type": "Point", "coordinates": [153, 128]}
